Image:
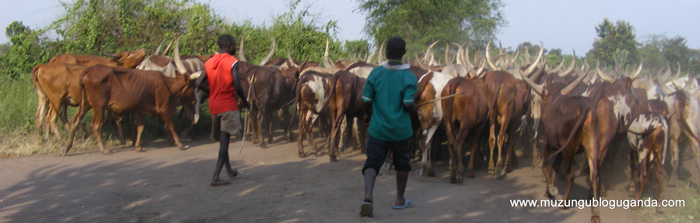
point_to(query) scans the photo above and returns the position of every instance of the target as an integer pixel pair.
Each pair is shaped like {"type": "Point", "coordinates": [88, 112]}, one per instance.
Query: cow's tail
{"type": "Point", "coordinates": [42, 109]}
{"type": "Point", "coordinates": [576, 129]}
{"type": "Point", "coordinates": [667, 132]}
{"type": "Point", "coordinates": [331, 92]}
{"type": "Point", "coordinates": [447, 104]}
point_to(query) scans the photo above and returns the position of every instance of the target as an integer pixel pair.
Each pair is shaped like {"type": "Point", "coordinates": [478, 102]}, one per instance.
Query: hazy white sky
{"type": "Point", "coordinates": [564, 24]}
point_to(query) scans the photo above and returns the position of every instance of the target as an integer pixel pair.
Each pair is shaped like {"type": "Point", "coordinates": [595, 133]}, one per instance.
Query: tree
{"type": "Point", "coordinates": [421, 22]}
{"type": "Point", "coordinates": [615, 41]}
{"type": "Point", "coordinates": [16, 28]}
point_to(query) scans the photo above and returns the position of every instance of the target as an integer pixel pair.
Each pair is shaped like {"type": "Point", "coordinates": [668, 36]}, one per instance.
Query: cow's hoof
{"type": "Point", "coordinates": [491, 172]}
{"type": "Point", "coordinates": [334, 159]}
{"type": "Point", "coordinates": [470, 174]}
{"type": "Point", "coordinates": [431, 173]}
{"type": "Point", "coordinates": [138, 149]}
{"type": "Point", "coordinates": [632, 192]}
{"type": "Point", "coordinates": [595, 219]}
{"type": "Point", "coordinates": [552, 191]}
{"type": "Point", "coordinates": [107, 152]}
{"type": "Point", "coordinates": [302, 155]}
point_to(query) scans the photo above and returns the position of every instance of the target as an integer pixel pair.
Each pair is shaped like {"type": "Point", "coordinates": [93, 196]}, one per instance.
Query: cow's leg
{"type": "Point", "coordinates": [660, 173]}
{"type": "Point", "coordinates": [568, 155]}
{"type": "Point", "coordinates": [643, 169]}
{"type": "Point", "coordinates": [166, 118]}
{"type": "Point", "coordinates": [52, 124]}
{"type": "Point", "coordinates": [362, 132]}
{"type": "Point", "coordinates": [453, 154]}
{"type": "Point", "coordinates": [634, 171]}
{"type": "Point", "coordinates": [138, 147]}
{"type": "Point", "coordinates": [675, 134]}
{"type": "Point", "coordinates": [259, 128]}
{"type": "Point", "coordinates": [474, 147]}
{"type": "Point", "coordinates": [285, 119]}
{"type": "Point", "coordinates": [267, 122]}
{"type": "Point", "coordinates": [505, 122]}
{"type": "Point", "coordinates": [302, 131]}
{"type": "Point", "coordinates": [82, 110]}
{"type": "Point", "coordinates": [117, 121]}
{"type": "Point", "coordinates": [492, 145]}
{"type": "Point", "coordinates": [98, 115]}
{"type": "Point", "coordinates": [464, 130]}
{"type": "Point", "coordinates": [548, 173]}
{"type": "Point", "coordinates": [426, 160]}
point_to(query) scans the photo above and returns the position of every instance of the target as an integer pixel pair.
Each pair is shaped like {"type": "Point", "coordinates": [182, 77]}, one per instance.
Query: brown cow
{"type": "Point", "coordinates": [122, 91]}
{"type": "Point", "coordinates": [648, 135]}
{"type": "Point", "coordinates": [345, 102]}
{"type": "Point", "coordinates": [312, 94]}
{"type": "Point", "coordinates": [468, 108]}
{"type": "Point", "coordinates": [569, 122]}
{"type": "Point", "coordinates": [123, 59]}
{"type": "Point", "coordinates": [57, 86]}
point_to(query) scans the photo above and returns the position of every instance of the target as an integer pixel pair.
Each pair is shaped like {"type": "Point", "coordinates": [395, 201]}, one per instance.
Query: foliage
{"type": "Point", "coordinates": [615, 39]}
{"type": "Point", "coordinates": [421, 22]}
{"type": "Point", "coordinates": [659, 51]}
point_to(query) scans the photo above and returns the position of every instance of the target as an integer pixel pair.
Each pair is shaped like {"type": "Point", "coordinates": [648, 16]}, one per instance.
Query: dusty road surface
{"type": "Point", "coordinates": [164, 184]}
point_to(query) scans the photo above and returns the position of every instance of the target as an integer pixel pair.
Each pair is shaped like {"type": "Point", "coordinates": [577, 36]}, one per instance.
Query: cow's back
{"type": "Point", "coordinates": [125, 90]}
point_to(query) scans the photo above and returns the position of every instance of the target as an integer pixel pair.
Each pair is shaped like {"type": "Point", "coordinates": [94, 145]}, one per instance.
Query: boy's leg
{"type": "Point", "coordinates": [402, 160]}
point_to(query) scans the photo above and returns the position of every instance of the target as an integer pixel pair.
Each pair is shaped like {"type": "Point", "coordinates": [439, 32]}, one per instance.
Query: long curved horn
{"type": "Point", "coordinates": [241, 54]}
{"type": "Point", "coordinates": [667, 74]}
{"type": "Point", "coordinates": [421, 64]}
{"type": "Point", "coordinates": [380, 57]}
{"type": "Point", "coordinates": [515, 56]}
{"type": "Point", "coordinates": [371, 56]}
{"type": "Point", "coordinates": [178, 61]}
{"type": "Point", "coordinates": [326, 61]}
{"type": "Point", "coordinates": [678, 72]}
{"type": "Point", "coordinates": [602, 74]}
{"type": "Point", "coordinates": [527, 55]}
{"type": "Point", "coordinates": [270, 54]}
{"type": "Point", "coordinates": [488, 56]}
{"type": "Point", "coordinates": [531, 68]}
{"type": "Point", "coordinates": [449, 60]}
{"type": "Point", "coordinates": [428, 57]}
{"type": "Point", "coordinates": [571, 66]}
{"type": "Point", "coordinates": [458, 56]}
{"type": "Point", "coordinates": [480, 72]}
{"type": "Point", "coordinates": [167, 48]}
{"type": "Point", "coordinates": [159, 46]}
{"type": "Point", "coordinates": [635, 75]}
{"type": "Point", "coordinates": [569, 88]}
{"type": "Point", "coordinates": [535, 87]}
{"type": "Point", "coordinates": [467, 60]}
{"type": "Point", "coordinates": [561, 65]}
{"type": "Point", "coordinates": [290, 60]}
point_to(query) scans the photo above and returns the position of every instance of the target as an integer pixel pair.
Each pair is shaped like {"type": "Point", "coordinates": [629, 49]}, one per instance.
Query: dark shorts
{"type": "Point", "coordinates": [377, 151]}
{"type": "Point", "coordinates": [229, 122]}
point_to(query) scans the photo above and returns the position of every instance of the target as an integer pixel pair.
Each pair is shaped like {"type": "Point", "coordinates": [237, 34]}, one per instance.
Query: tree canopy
{"type": "Point", "coordinates": [421, 22]}
{"type": "Point", "coordinates": [616, 44]}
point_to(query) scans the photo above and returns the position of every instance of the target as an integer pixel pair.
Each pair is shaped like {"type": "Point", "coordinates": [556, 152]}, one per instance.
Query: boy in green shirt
{"type": "Point", "coordinates": [388, 97]}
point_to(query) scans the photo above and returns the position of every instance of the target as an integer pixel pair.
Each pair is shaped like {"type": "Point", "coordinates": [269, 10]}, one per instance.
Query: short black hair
{"type": "Point", "coordinates": [395, 48]}
{"type": "Point", "coordinates": [225, 41]}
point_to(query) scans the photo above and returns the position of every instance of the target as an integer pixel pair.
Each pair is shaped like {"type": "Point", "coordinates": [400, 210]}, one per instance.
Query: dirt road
{"type": "Point", "coordinates": [168, 185]}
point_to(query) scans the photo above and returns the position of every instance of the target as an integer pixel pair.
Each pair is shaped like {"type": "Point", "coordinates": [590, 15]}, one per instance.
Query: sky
{"type": "Point", "coordinates": [563, 24]}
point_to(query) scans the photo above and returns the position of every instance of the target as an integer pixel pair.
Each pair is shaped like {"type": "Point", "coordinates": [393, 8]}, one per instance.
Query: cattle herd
{"type": "Point", "coordinates": [557, 112]}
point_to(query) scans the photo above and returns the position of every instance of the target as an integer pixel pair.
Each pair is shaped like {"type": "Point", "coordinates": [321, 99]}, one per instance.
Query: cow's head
{"type": "Point", "coordinates": [129, 59]}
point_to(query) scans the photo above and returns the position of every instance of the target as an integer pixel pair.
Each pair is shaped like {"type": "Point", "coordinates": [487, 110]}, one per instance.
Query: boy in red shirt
{"type": "Point", "coordinates": [221, 73]}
